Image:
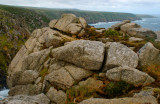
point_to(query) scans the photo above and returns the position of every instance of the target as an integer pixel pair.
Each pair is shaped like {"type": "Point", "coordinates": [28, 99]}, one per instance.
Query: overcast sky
{"type": "Point", "coordinates": [132, 6]}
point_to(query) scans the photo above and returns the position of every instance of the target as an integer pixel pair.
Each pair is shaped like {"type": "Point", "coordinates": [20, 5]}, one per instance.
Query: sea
{"type": "Point", "coordinates": [150, 23]}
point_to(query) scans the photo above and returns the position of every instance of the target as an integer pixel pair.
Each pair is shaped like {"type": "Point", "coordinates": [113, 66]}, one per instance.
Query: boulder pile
{"type": "Point", "coordinates": [51, 62]}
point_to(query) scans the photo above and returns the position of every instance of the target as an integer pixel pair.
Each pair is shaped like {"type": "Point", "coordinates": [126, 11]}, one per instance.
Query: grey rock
{"type": "Point", "coordinates": [23, 99]}
{"type": "Point", "coordinates": [60, 78]}
{"type": "Point", "coordinates": [58, 97]}
{"type": "Point", "coordinates": [132, 100]}
{"type": "Point", "coordinates": [129, 75]}
{"type": "Point", "coordinates": [142, 33]}
{"type": "Point", "coordinates": [120, 55]}
{"type": "Point", "coordinates": [126, 27]}
{"type": "Point", "coordinates": [134, 39]}
{"type": "Point", "coordinates": [118, 25]}
{"type": "Point", "coordinates": [35, 60]}
{"type": "Point", "coordinates": [83, 53]}
{"type": "Point", "coordinates": [77, 73]}
{"type": "Point", "coordinates": [149, 55]}
{"type": "Point", "coordinates": [25, 90]}
{"type": "Point", "coordinates": [27, 77]}
{"type": "Point", "coordinates": [69, 23]}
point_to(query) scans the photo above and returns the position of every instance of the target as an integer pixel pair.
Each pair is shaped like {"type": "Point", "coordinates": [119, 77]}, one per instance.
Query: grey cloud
{"type": "Point", "coordinates": [135, 6]}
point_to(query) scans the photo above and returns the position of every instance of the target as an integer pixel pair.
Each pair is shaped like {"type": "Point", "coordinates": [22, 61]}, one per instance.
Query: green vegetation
{"type": "Point", "coordinates": [115, 89]}
{"type": "Point", "coordinates": [77, 94]}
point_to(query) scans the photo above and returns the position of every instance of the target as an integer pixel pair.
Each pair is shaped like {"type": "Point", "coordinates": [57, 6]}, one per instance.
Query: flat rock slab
{"type": "Point", "coordinates": [24, 99]}
{"type": "Point", "coordinates": [82, 53]}
{"type": "Point", "coordinates": [134, 100]}
{"type": "Point", "coordinates": [129, 75]}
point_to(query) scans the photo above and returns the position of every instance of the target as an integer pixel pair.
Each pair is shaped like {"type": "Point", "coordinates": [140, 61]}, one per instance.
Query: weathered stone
{"type": "Point", "coordinates": [27, 77]}
{"type": "Point", "coordinates": [58, 97]}
{"type": "Point", "coordinates": [25, 90]}
{"type": "Point", "coordinates": [83, 22]}
{"type": "Point", "coordinates": [16, 65]}
{"type": "Point", "coordinates": [149, 55]}
{"type": "Point", "coordinates": [120, 55]}
{"type": "Point", "coordinates": [142, 33]}
{"type": "Point", "coordinates": [133, 39]}
{"type": "Point", "coordinates": [51, 38]}
{"type": "Point", "coordinates": [91, 83]}
{"type": "Point", "coordinates": [134, 100]}
{"type": "Point", "coordinates": [77, 73]}
{"type": "Point", "coordinates": [118, 25]}
{"type": "Point", "coordinates": [158, 35]}
{"type": "Point", "coordinates": [23, 99]}
{"type": "Point", "coordinates": [83, 53]}
{"type": "Point", "coordinates": [126, 27]}
{"type": "Point", "coordinates": [35, 60]}
{"type": "Point", "coordinates": [129, 75]}
{"type": "Point", "coordinates": [52, 23]}
{"type": "Point", "coordinates": [69, 23]}
{"type": "Point", "coordinates": [61, 78]}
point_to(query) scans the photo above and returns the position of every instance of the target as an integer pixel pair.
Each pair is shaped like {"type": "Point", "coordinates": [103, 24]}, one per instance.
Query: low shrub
{"type": "Point", "coordinates": [78, 94]}
{"type": "Point", "coordinates": [115, 89]}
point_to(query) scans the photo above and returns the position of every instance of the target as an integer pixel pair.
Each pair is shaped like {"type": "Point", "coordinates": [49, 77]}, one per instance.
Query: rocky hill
{"type": "Point", "coordinates": [70, 62]}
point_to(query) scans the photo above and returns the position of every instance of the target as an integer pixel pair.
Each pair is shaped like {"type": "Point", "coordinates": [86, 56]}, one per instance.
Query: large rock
{"type": "Point", "coordinates": [77, 73]}
{"type": "Point", "coordinates": [58, 97]}
{"type": "Point", "coordinates": [60, 78]}
{"type": "Point", "coordinates": [26, 90]}
{"type": "Point", "coordinates": [149, 55]}
{"type": "Point", "coordinates": [23, 99]}
{"type": "Point", "coordinates": [35, 60]}
{"type": "Point", "coordinates": [120, 55]}
{"type": "Point", "coordinates": [91, 83]}
{"type": "Point", "coordinates": [83, 53]}
{"type": "Point", "coordinates": [118, 25]}
{"type": "Point", "coordinates": [129, 75]}
{"type": "Point", "coordinates": [27, 77]}
{"type": "Point", "coordinates": [142, 33]}
{"type": "Point", "coordinates": [69, 23]}
{"type": "Point", "coordinates": [134, 100]}
{"type": "Point", "coordinates": [126, 27]}
{"type": "Point", "coordinates": [158, 35]}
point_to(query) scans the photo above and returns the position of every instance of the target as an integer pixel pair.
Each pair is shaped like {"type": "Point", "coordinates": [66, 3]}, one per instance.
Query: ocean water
{"type": "Point", "coordinates": [150, 23]}
{"type": "Point", "coordinates": [4, 93]}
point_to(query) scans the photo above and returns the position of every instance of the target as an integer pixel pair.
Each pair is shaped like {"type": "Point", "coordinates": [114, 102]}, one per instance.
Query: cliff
{"type": "Point", "coordinates": [70, 62]}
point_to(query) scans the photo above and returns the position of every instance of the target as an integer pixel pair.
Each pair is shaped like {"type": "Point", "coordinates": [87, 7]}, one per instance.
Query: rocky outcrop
{"type": "Point", "coordinates": [129, 75]}
{"type": "Point", "coordinates": [134, 29]}
{"type": "Point", "coordinates": [149, 55]}
{"type": "Point", "coordinates": [67, 69]}
{"type": "Point", "coordinates": [142, 33]}
{"type": "Point", "coordinates": [134, 100]}
{"type": "Point", "coordinates": [118, 25]}
{"type": "Point", "coordinates": [120, 55]}
{"type": "Point", "coordinates": [126, 27]}
{"type": "Point", "coordinates": [69, 23]}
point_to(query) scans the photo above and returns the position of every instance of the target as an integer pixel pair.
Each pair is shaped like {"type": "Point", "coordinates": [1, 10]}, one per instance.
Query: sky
{"type": "Point", "coordinates": [129, 6]}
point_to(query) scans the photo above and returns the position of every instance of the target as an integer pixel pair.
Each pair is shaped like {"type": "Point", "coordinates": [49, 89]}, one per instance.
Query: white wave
{"type": "Point", "coordinates": [4, 93]}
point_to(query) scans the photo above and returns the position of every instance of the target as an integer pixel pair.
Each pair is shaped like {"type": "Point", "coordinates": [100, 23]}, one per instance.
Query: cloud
{"type": "Point", "coordinates": [134, 6]}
